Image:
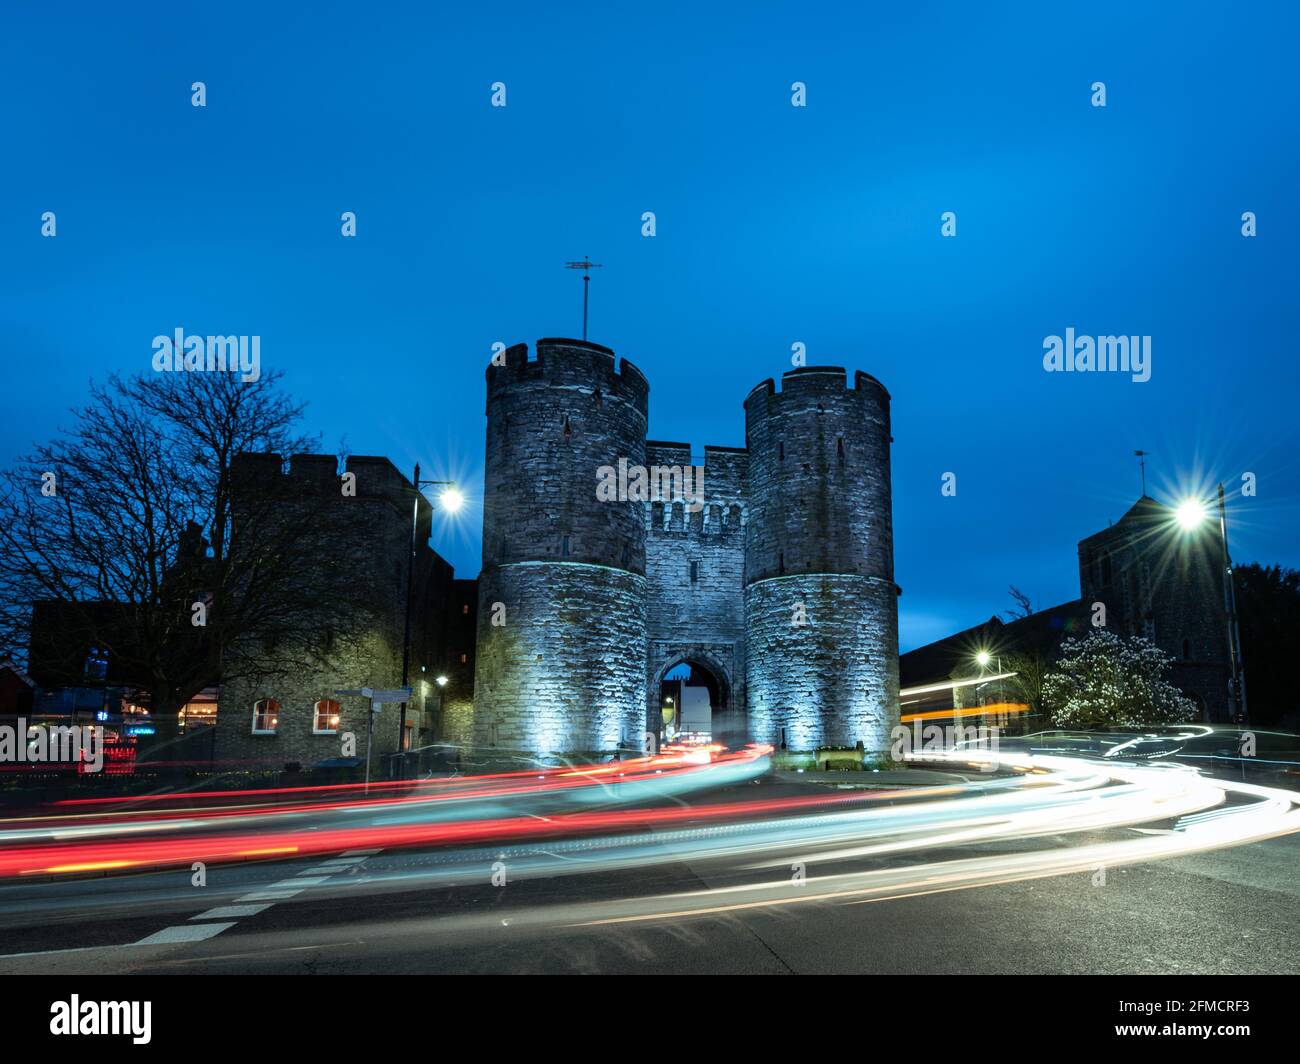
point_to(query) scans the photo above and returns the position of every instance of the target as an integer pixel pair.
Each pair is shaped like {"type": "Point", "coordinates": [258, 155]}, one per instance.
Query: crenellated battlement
{"type": "Point", "coordinates": [560, 362]}
{"type": "Point", "coordinates": [275, 476]}
{"type": "Point", "coordinates": [768, 567]}
{"type": "Point", "coordinates": [721, 510]}
{"type": "Point", "coordinates": [816, 381]}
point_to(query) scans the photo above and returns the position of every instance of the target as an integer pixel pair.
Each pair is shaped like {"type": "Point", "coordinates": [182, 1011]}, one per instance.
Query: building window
{"type": "Point", "coordinates": [627, 555]}
{"type": "Point", "coordinates": [1105, 570]}
{"type": "Point", "coordinates": [465, 608]}
{"type": "Point", "coordinates": [564, 547]}
{"type": "Point", "coordinates": [266, 716]}
{"type": "Point", "coordinates": [695, 572]}
{"type": "Point", "coordinates": [325, 720]}
{"type": "Point", "coordinates": [781, 562]}
{"type": "Point", "coordinates": [464, 659]}
{"type": "Point", "coordinates": [780, 451]}
{"type": "Point", "coordinates": [96, 667]}
{"type": "Point", "coordinates": [839, 449]}
{"type": "Point", "coordinates": [566, 430]}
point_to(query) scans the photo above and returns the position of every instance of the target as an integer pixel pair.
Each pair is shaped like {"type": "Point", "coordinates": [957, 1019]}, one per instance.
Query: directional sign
{"type": "Point", "coordinates": [358, 692]}
{"type": "Point", "coordinates": [397, 694]}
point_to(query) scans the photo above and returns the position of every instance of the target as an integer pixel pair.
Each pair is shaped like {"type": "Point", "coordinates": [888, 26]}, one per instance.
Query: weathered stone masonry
{"type": "Point", "coordinates": [821, 613]}
{"type": "Point", "coordinates": [562, 634]}
{"type": "Point", "coordinates": [781, 585]}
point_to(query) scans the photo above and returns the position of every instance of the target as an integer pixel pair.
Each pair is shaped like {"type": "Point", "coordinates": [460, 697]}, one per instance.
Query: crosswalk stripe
{"type": "Point", "coordinates": [268, 895]}
{"type": "Point", "coordinates": [230, 912]}
{"type": "Point", "coordinates": [184, 933]}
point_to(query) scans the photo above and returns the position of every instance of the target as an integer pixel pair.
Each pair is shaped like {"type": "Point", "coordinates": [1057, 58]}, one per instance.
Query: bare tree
{"type": "Point", "coordinates": [1028, 654]}
{"type": "Point", "coordinates": [1023, 605]}
{"type": "Point", "coordinates": [143, 530]}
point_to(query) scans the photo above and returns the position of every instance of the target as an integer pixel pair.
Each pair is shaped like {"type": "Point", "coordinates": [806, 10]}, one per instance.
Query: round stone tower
{"type": "Point", "coordinates": [821, 605]}
{"type": "Point", "coordinates": [561, 662]}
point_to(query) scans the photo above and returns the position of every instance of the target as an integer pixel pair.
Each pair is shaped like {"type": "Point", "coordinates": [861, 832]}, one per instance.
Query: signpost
{"type": "Point", "coordinates": [377, 700]}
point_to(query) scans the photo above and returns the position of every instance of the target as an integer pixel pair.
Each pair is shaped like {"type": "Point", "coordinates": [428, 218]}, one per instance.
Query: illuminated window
{"type": "Point", "coordinates": [464, 659]}
{"type": "Point", "coordinates": [266, 716]}
{"type": "Point", "coordinates": [325, 720]}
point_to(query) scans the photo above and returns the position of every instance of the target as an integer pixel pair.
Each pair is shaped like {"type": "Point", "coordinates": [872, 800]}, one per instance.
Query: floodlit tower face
{"type": "Point", "coordinates": [821, 605]}
{"type": "Point", "coordinates": [561, 661]}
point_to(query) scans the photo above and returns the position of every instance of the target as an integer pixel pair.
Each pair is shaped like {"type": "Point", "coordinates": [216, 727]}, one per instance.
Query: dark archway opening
{"type": "Point", "coordinates": [692, 699]}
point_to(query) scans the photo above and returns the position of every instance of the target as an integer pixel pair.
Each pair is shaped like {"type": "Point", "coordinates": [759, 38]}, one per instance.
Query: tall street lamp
{"type": "Point", "coordinates": [983, 659]}
{"type": "Point", "coordinates": [1191, 514]}
{"type": "Point", "coordinates": [450, 500]}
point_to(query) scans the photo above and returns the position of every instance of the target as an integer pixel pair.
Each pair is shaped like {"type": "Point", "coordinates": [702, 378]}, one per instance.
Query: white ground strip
{"type": "Point", "coordinates": [255, 902]}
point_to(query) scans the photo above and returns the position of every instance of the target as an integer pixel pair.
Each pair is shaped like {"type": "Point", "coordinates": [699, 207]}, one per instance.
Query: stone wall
{"type": "Point", "coordinates": [833, 680]}
{"type": "Point", "coordinates": [372, 531]}
{"type": "Point", "coordinates": [565, 672]}
{"type": "Point", "coordinates": [564, 570]}
{"type": "Point", "coordinates": [1159, 581]}
{"type": "Point", "coordinates": [821, 610]}
{"type": "Point", "coordinates": [702, 619]}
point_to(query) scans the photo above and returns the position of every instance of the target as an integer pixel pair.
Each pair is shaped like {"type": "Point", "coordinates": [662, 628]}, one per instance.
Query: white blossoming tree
{"type": "Point", "coordinates": [1108, 681]}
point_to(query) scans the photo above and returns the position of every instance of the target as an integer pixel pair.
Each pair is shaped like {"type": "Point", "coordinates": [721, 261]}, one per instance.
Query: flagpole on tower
{"type": "Point", "coordinates": [586, 265]}
{"type": "Point", "coordinates": [1142, 465]}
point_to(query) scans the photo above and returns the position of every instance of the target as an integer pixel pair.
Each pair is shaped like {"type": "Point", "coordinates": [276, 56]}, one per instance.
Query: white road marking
{"type": "Point", "coordinates": [268, 895]}
{"type": "Point", "coordinates": [183, 933]}
{"type": "Point", "coordinates": [230, 912]}
{"type": "Point", "coordinates": [358, 853]}
{"type": "Point", "coordinates": [300, 882]}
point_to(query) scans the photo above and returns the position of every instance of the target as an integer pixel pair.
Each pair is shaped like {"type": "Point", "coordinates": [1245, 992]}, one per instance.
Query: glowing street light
{"type": "Point", "coordinates": [1191, 514]}
{"type": "Point", "coordinates": [451, 499]}
{"type": "Point", "coordinates": [983, 658]}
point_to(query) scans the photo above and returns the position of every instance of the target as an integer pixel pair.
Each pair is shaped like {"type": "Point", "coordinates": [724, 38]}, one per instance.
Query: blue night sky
{"type": "Point", "coordinates": [775, 225]}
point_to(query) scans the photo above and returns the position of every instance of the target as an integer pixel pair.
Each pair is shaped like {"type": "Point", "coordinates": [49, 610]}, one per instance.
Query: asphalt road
{"type": "Point", "coordinates": [1228, 911]}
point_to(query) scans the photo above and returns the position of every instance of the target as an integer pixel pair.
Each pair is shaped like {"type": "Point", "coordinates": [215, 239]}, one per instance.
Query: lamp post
{"type": "Point", "coordinates": [451, 500]}
{"type": "Point", "coordinates": [1191, 514]}
{"type": "Point", "coordinates": [442, 694]}
{"type": "Point", "coordinates": [983, 658]}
